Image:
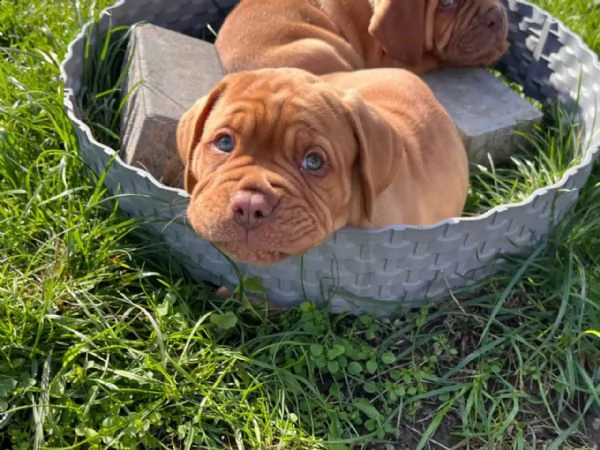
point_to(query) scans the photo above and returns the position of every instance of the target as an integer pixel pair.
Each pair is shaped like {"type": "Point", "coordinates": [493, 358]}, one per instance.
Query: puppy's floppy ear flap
{"type": "Point", "coordinates": [399, 25]}
{"type": "Point", "coordinates": [189, 132]}
{"type": "Point", "coordinates": [380, 150]}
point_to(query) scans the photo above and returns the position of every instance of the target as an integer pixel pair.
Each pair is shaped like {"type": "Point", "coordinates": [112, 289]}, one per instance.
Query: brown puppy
{"type": "Point", "coordinates": [278, 159]}
{"type": "Point", "coordinates": [325, 36]}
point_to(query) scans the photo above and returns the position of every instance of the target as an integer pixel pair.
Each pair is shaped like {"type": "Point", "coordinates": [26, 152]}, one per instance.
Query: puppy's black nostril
{"type": "Point", "coordinates": [258, 215]}
{"type": "Point", "coordinates": [238, 211]}
{"type": "Point", "coordinates": [492, 19]}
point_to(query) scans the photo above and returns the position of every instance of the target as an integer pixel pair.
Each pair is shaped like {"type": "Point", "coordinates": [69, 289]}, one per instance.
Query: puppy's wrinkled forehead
{"type": "Point", "coordinates": [263, 98]}
{"type": "Point", "coordinates": [471, 11]}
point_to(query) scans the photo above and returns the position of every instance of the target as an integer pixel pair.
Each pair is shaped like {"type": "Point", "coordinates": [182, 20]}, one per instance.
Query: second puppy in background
{"type": "Point", "coordinates": [325, 36]}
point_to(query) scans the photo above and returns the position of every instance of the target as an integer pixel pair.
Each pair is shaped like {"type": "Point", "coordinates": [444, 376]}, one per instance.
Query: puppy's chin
{"type": "Point", "coordinates": [252, 250]}
{"type": "Point", "coordinates": [242, 253]}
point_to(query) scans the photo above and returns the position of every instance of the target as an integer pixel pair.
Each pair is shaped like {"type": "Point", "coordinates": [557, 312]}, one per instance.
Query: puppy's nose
{"type": "Point", "coordinates": [493, 18]}
{"type": "Point", "coordinates": [250, 207]}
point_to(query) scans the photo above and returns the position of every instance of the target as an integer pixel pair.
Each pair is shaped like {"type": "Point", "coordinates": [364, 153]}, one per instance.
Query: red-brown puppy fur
{"type": "Point", "coordinates": [325, 36]}
{"type": "Point", "coordinates": [278, 159]}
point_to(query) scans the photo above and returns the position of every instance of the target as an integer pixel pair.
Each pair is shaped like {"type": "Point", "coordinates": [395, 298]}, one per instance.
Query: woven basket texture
{"type": "Point", "coordinates": [364, 270]}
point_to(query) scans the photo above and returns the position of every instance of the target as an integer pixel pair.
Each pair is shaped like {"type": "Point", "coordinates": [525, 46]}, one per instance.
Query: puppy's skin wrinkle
{"type": "Point", "coordinates": [392, 155]}
{"type": "Point", "coordinates": [325, 36]}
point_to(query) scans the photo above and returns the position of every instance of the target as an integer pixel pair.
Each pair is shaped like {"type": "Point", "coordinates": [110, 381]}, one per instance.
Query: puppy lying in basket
{"type": "Point", "coordinates": [325, 36]}
{"type": "Point", "coordinates": [276, 160]}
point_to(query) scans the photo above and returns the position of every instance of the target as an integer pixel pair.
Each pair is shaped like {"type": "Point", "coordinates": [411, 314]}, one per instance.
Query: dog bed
{"type": "Point", "coordinates": [362, 270]}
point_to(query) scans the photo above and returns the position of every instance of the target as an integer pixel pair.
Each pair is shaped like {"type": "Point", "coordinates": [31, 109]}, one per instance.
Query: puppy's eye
{"type": "Point", "coordinates": [313, 162]}
{"type": "Point", "coordinates": [224, 143]}
{"type": "Point", "coordinates": [446, 3]}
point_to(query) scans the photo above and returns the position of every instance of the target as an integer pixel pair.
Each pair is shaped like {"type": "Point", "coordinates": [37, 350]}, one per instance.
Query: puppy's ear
{"type": "Point", "coordinates": [380, 150]}
{"type": "Point", "coordinates": [399, 25]}
{"type": "Point", "coordinates": [189, 132]}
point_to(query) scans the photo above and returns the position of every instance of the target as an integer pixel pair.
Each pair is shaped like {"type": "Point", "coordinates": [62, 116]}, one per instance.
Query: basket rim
{"type": "Point", "coordinates": [592, 148]}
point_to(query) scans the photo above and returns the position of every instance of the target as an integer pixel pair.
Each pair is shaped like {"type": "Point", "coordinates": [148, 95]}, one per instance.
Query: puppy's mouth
{"type": "Point", "coordinates": [477, 49]}
{"type": "Point", "coordinates": [255, 250]}
{"type": "Point", "coordinates": [287, 231]}
{"type": "Point", "coordinates": [498, 49]}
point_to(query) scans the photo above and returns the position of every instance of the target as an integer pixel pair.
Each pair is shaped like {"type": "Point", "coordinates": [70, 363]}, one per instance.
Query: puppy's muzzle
{"type": "Point", "coordinates": [494, 20]}
{"type": "Point", "coordinates": [250, 208]}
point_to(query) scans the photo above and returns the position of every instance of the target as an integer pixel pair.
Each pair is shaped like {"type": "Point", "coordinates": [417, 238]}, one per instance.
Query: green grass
{"type": "Point", "coordinates": [106, 343]}
{"type": "Point", "coordinates": [541, 159]}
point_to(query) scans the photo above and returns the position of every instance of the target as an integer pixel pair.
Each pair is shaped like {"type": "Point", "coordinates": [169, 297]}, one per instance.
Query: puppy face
{"type": "Point", "coordinates": [467, 32]}
{"type": "Point", "coordinates": [458, 32]}
{"type": "Point", "coordinates": [270, 161]}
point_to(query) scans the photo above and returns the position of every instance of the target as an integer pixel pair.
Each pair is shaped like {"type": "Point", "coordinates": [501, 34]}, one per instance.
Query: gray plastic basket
{"type": "Point", "coordinates": [361, 270]}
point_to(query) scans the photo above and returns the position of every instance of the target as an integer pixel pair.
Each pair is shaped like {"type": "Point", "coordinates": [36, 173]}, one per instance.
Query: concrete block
{"type": "Point", "coordinates": [485, 109]}
{"type": "Point", "coordinates": [168, 72]}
